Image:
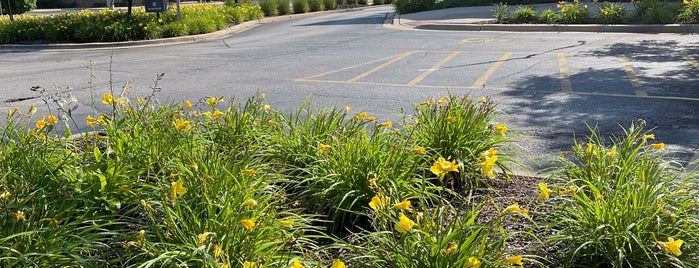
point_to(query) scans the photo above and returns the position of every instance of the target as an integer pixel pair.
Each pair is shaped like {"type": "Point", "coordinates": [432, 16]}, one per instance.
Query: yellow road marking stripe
{"type": "Point", "coordinates": [424, 74]}
{"type": "Point", "coordinates": [365, 74]}
{"type": "Point", "coordinates": [503, 89]}
{"type": "Point", "coordinates": [692, 62]}
{"type": "Point", "coordinates": [629, 71]}
{"type": "Point", "coordinates": [480, 83]}
{"type": "Point", "coordinates": [566, 85]}
{"type": "Point", "coordinates": [346, 68]}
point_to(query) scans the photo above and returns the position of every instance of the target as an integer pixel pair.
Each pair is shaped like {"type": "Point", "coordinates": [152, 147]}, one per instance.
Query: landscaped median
{"type": "Point", "coordinates": [219, 183]}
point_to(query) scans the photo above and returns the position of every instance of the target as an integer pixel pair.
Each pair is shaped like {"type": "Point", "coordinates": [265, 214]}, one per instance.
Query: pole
{"type": "Point", "coordinates": [9, 10]}
{"type": "Point", "coordinates": [179, 15]}
{"type": "Point", "coordinates": [1, 8]}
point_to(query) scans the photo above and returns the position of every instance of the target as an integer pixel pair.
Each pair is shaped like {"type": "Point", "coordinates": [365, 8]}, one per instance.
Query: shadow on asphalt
{"type": "Point", "coordinates": [675, 120]}
{"type": "Point", "coordinates": [354, 21]}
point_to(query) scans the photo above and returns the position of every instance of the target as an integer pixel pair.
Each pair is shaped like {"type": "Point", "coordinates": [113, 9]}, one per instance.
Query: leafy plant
{"type": "Point", "coordinates": [611, 13]}
{"type": "Point", "coordinates": [269, 7]}
{"type": "Point", "coordinates": [410, 6]}
{"type": "Point", "coordinates": [284, 7]}
{"type": "Point", "coordinates": [300, 6]}
{"type": "Point", "coordinates": [689, 13]}
{"type": "Point", "coordinates": [573, 12]}
{"type": "Point", "coordinates": [549, 16]}
{"type": "Point", "coordinates": [524, 15]}
{"type": "Point", "coordinates": [315, 5]}
{"type": "Point", "coordinates": [621, 204]}
{"type": "Point", "coordinates": [653, 11]}
{"type": "Point", "coordinates": [501, 12]}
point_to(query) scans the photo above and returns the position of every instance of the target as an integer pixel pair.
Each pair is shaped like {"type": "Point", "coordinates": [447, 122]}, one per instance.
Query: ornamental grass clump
{"type": "Point", "coordinates": [620, 203]}
{"type": "Point", "coordinates": [464, 131]}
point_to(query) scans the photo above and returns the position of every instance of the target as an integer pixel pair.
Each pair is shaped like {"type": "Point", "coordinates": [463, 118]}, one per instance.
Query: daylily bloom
{"type": "Point", "coordinates": [483, 100]}
{"type": "Point", "coordinates": [488, 167]}
{"type": "Point", "coordinates": [217, 114]}
{"type": "Point", "coordinates": [5, 195]}
{"type": "Point", "coordinates": [671, 246]}
{"type": "Point", "coordinates": [360, 116]}
{"type": "Point", "coordinates": [379, 201]}
{"type": "Point", "coordinates": [514, 208]}
{"type": "Point", "coordinates": [108, 99]}
{"type": "Point", "coordinates": [473, 262]}
{"type": "Point", "coordinates": [441, 167]}
{"type": "Point", "coordinates": [324, 147]}
{"type": "Point", "coordinates": [182, 124]}
{"type": "Point", "coordinates": [251, 264]}
{"type": "Point", "coordinates": [372, 182]}
{"type": "Point", "coordinates": [648, 137]}
{"type": "Point", "coordinates": [51, 120]}
{"type": "Point", "coordinates": [405, 205]}
{"type": "Point", "coordinates": [267, 107]}
{"type": "Point", "coordinates": [659, 146]}
{"type": "Point", "coordinates": [187, 104]}
{"type": "Point", "coordinates": [443, 100]}
{"type": "Point", "coordinates": [176, 189]}
{"type": "Point", "coordinates": [387, 124]}
{"type": "Point", "coordinates": [371, 119]}
{"type": "Point", "coordinates": [91, 121]}
{"type": "Point", "coordinates": [272, 123]}
{"type": "Point", "coordinates": [612, 152]}
{"type": "Point", "coordinates": [248, 224]}
{"type": "Point", "coordinates": [201, 238]}
{"type": "Point", "coordinates": [216, 250]}
{"type": "Point", "coordinates": [41, 123]}
{"type": "Point", "coordinates": [453, 248]}
{"type": "Point", "coordinates": [347, 108]}
{"type": "Point", "coordinates": [250, 172]}
{"type": "Point", "coordinates": [32, 110]}
{"type": "Point", "coordinates": [426, 102]}
{"type": "Point", "coordinates": [297, 264]}
{"type": "Point", "coordinates": [544, 191]}
{"type": "Point", "coordinates": [251, 203]}
{"type": "Point", "coordinates": [338, 264]}
{"type": "Point", "coordinates": [516, 260]}
{"type": "Point", "coordinates": [419, 150]}
{"type": "Point", "coordinates": [212, 102]}
{"type": "Point", "coordinates": [19, 215]}
{"type": "Point", "coordinates": [141, 235]}
{"type": "Point", "coordinates": [404, 224]}
{"type": "Point", "coordinates": [501, 129]}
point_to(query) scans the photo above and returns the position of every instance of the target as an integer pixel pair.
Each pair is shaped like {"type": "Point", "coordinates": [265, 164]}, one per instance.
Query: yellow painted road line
{"type": "Point", "coordinates": [629, 71]}
{"type": "Point", "coordinates": [425, 73]}
{"type": "Point", "coordinates": [347, 68]}
{"type": "Point", "coordinates": [692, 62]}
{"type": "Point", "coordinates": [566, 85]}
{"type": "Point", "coordinates": [365, 74]}
{"type": "Point", "coordinates": [480, 83]}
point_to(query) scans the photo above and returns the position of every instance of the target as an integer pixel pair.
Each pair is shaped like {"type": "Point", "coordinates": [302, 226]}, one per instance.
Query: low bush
{"type": "Point", "coordinates": [330, 4]}
{"type": "Point", "coordinates": [300, 6]}
{"type": "Point", "coordinates": [656, 12]}
{"type": "Point", "coordinates": [690, 12]}
{"type": "Point", "coordinates": [573, 12]}
{"type": "Point", "coordinates": [524, 15]}
{"type": "Point", "coordinates": [284, 7]}
{"type": "Point", "coordinates": [410, 6]}
{"type": "Point", "coordinates": [315, 5]}
{"type": "Point", "coordinates": [549, 16]}
{"type": "Point", "coordinates": [18, 6]}
{"type": "Point", "coordinates": [378, 2]}
{"type": "Point", "coordinates": [269, 7]}
{"type": "Point", "coordinates": [116, 25]}
{"type": "Point", "coordinates": [621, 204]}
{"type": "Point", "coordinates": [611, 13]}
{"type": "Point", "coordinates": [363, 2]}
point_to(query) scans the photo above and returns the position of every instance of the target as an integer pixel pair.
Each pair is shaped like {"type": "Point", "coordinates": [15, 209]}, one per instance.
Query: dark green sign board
{"type": "Point", "coordinates": [156, 5]}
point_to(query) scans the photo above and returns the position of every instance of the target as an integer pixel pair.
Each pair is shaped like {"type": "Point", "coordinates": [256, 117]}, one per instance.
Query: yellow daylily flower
{"type": "Point", "coordinates": [453, 248]}
{"type": "Point", "coordinates": [647, 137]}
{"type": "Point", "coordinates": [108, 99]}
{"type": "Point", "coordinates": [212, 102]}
{"type": "Point", "coordinates": [176, 189]}
{"type": "Point", "coordinates": [32, 110]}
{"type": "Point", "coordinates": [387, 124]}
{"type": "Point", "coordinates": [360, 116]}
{"type": "Point", "coordinates": [379, 201]}
{"type": "Point", "coordinates": [514, 208]}
{"type": "Point", "coordinates": [272, 123]}
{"type": "Point", "coordinates": [405, 205]}
{"type": "Point", "coordinates": [51, 120]}
{"type": "Point", "coordinates": [91, 121]}
{"type": "Point", "coordinates": [201, 238]}
{"type": "Point", "coordinates": [516, 260]}
{"type": "Point", "coordinates": [441, 167]}
{"type": "Point", "coordinates": [297, 264]}
{"type": "Point", "coordinates": [544, 191]}
{"type": "Point", "coordinates": [671, 246]}
{"type": "Point", "coordinates": [490, 153]}
{"type": "Point", "coordinates": [443, 100]}
{"type": "Point", "coordinates": [338, 264]}
{"type": "Point", "coordinates": [372, 182]}
{"type": "Point", "coordinates": [41, 123]}
{"type": "Point", "coordinates": [419, 150]}
{"type": "Point", "coordinates": [324, 147]}
{"type": "Point", "coordinates": [488, 167]}
{"type": "Point", "coordinates": [404, 224]}
{"type": "Point", "coordinates": [217, 114]}
{"type": "Point", "coordinates": [251, 203]}
{"type": "Point", "coordinates": [5, 195]}
{"type": "Point", "coordinates": [250, 172]}
{"type": "Point", "coordinates": [141, 236]}
{"type": "Point", "coordinates": [188, 104]}
{"type": "Point", "coordinates": [248, 224]}
{"type": "Point", "coordinates": [501, 129]}
{"type": "Point", "coordinates": [181, 124]}
{"type": "Point", "coordinates": [426, 102]}
{"type": "Point", "coordinates": [251, 264]}
{"type": "Point", "coordinates": [612, 152]}
{"type": "Point", "coordinates": [483, 100]}
{"type": "Point", "coordinates": [659, 146]}
{"type": "Point", "coordinates": [347, 108]}
{"type": "Point", "coordinates": [267, 107]}
{"type": "Point", "coordinates": [216, 250]}
{"type": "Point", "coordinates": [371, 119]}
{"type": "Point", "coordinates": [19, 215]}
{"type": "Point", "coordinates": [473, 262]}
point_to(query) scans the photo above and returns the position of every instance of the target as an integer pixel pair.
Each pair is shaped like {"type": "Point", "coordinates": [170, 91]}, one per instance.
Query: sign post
{"type": "Point", "coordinates": [179, 16]}
{"type": "Point", "coordinates": [156, 6]}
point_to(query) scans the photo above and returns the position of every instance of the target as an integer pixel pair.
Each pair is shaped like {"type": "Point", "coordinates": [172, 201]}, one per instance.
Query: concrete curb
{"type": "Point", "coordinates": [181, 39]}
{"type": "Point", "coordinates": [651, 28]}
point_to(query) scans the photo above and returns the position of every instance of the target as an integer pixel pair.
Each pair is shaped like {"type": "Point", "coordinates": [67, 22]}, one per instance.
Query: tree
{"type": "Point", "coordinates": [17, 6]}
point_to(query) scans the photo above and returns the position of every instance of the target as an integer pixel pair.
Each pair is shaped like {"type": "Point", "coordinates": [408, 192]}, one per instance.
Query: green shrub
{"type": "Point", "coordinates": [524, 15]}
{"type": "Point", "coordinates": [500, 11]}
{"type": "Point", "coordinates": [315, 5]}
{"type": "Point", "coordinates": [330, 4]}
{"type": "Point", "coordinates": [284, 7]}
{"type": "Point", "coordinates": [620, 204]}
{"type": "Point", "coordinates": [363, 2]}
{"type": "Point", "coordinates": [300, 6]}
{"type": "Point", "coordinates": [655, 12]}
{"type": "Point", "coordinates": [378, 2]}
{"type": "Point", "coordinates": [689, 13]}
{"type": "Point", "coordinates": [573, 12]}
{"type": "Point", "coordinates": [410, 6]}
{"type": "Point", "coordinates": [549, 16]}
{"type": "Point", "coordinates": [611, 13]}
{"type": "Point", "coordinates": [269, 7]}
{"type": "Point", "coordinates": [18, 6]}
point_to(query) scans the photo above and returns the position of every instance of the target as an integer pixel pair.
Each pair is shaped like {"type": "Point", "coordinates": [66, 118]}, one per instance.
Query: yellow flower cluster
{"type": "Point", "coordinates": [488, 158]}
{"type": "Point", "coordinates": [441, 167]}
